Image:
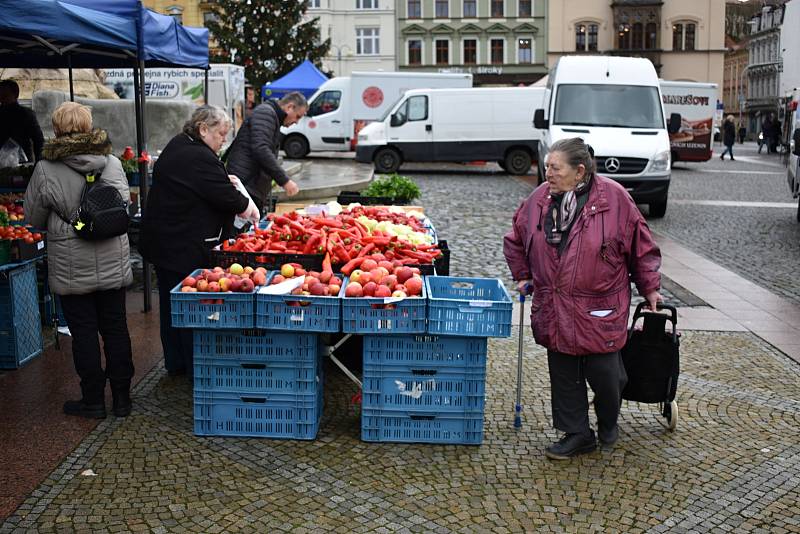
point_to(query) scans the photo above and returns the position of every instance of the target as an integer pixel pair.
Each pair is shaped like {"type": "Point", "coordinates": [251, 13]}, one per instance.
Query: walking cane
{"type": "Point", "coordinates": [518, 406]}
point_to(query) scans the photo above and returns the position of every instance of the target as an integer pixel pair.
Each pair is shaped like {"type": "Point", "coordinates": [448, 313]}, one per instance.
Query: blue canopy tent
{"type": "Point", "coordinates": [96, 34]}
{"type": "Point", "coordinates": [305, 78]}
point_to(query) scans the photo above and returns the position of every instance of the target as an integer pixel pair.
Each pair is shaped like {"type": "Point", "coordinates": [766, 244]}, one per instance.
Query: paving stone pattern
{"type": "Point", "coordinates": [733, 465]}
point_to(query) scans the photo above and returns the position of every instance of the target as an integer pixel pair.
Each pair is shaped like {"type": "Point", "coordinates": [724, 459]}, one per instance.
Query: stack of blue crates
{"type": "Point", "coordinates": [20, 324]}
{"type": "Point", "coordinates": [255, 374]}
{"type": "Point", "coordinates": [429, 386]}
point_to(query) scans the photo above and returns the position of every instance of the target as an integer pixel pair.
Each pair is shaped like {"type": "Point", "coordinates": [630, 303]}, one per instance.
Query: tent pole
{"type": "Point", "coordinates": [71, 88]}
{"type": "Point", "coordinates": [144, 184]}
{"type": "Point", "coordinates": [205, 87]}
{"type": "Point", "coordinates": [138, 89]}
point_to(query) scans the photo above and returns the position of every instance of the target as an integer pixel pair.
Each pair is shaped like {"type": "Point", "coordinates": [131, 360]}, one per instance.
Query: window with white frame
{"type": "Point", "coordinates": [415, 52]}
{"type": "Point", "coordinates": [470, 9]}
{"type": "Point", "coordinates": [366, 4]}
{"type": "Point", "coordinates": [497, 51]}
{"type": "Point", "coordinates": [683, 35]}
{"type": "Point", "coordinates": [314, 4]}
{"type": "Point", "coordinates": [368, 41]}
{"type": "Point", "coordinates": [497, 8]}
{"type": "Point", "coordinates": [525, 50]}
{"type": "Point", "coordinates": [414, 9]}
{"type": "Point", "coordinates": [586, 37]}
{"type": "Point", "coordinates": [470, 51]}
{"type": "Point", "coordinates": [525, 8]}
{"type": "Point", "coordinates": [442, 52]}
{"type": "Point", "coordinates": [442, 9]}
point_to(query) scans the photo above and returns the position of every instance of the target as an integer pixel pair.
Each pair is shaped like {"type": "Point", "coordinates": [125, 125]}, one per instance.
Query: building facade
{"type": "Point", "coordinates": [501, 42]}
{"type": "Point", "coordinates": [685, 39]}
{"type": "Point", "coordinates": [362, 34]}
{"type": "Point", "coordinates": [187, 12]}
{"type": "Point", "coordinates": [734, 81]}
{"type": "Point", "coordinates": [764, 66]}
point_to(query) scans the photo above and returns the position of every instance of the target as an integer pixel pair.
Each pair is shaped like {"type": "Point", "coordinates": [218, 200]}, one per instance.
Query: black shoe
{"type": "Point", "coordinates": [81, 409]}
{"type": "Point", "coordinates": [571, 445]}
{"type": "Point", "coordinates": [722, 157]}
{"type": "Point", "coordinates": [607, 438]}
{"type": "Point", "coordinates": [176, 372]}
{"type": "Point", "coordinates": [732, 159]}
{"type": "Point", "coordinates": [122, 402]}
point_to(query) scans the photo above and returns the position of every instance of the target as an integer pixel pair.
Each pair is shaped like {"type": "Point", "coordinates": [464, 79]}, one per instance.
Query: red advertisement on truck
{"type": "Point", "coordinates": [696, 103]}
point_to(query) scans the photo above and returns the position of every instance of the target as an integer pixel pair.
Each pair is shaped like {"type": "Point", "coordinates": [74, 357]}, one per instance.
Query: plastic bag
{"type": "Point", "coordinates": [12, 155]}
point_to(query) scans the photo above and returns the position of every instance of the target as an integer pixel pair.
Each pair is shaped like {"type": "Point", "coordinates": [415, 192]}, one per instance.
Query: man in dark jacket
{"type": "Point", "coordinates": [18, 122]}
{"type": "Point", "coordinates": [253, 155]}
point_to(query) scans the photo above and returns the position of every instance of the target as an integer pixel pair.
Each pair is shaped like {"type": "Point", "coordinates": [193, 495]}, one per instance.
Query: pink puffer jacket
{"type": "Point", "coordinates": [581, 300]}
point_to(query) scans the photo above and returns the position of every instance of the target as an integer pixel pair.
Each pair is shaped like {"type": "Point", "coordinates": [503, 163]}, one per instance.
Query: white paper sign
{"type": "Point", "coordinates": [284, 288]}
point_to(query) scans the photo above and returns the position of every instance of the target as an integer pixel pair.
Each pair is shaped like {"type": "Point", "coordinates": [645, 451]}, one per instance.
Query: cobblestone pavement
{"type": "Point", "coordinates": [761, 244]}
{"type": "Point", "coordinates": [733, 464]}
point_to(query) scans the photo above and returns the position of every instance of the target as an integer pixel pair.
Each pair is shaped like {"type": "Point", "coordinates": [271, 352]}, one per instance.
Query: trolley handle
{"type": "Point", "coordinates": [673, 316]}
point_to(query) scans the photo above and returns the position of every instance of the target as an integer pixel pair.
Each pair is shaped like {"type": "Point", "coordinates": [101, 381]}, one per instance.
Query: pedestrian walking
{"type": "Point", "coordinates": [775, 137]}
{"type": "Point", "coordinates": [765, 134]}
{"type": "Point", "coordinates": [579, 240]}
{"type": "Point", "coordinates": [18, 122]}
{"type": "Point", "coordinates": [191, 201]}
{"type": "Point", "coordinates": [90, 277]}
{"type": "Point", "coordinates": [728, 137]}
{"type": "Point", "coordinates": [742, 134]}
{"type": "Point", "coordinates": [253, 155]}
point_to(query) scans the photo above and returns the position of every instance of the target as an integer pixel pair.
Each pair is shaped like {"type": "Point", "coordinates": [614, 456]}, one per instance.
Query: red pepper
{"type": "Point", "coordinates": [365, 250]}
{"type": "Point", "coordinates": [351, 265]}
{"type": "Point", "coordinates": [326, 263]}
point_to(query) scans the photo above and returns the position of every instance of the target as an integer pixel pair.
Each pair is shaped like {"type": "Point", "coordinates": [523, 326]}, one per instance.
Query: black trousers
{"type": "Point", "coordinates": [176, 342]}
{"type": "Point", "coordinates": [87, 315]}
{"type": "Point", "coordinates": [605, 374]}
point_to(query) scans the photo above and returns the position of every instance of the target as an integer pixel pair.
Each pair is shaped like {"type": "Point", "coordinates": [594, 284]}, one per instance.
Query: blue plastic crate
{"type": "Point", "coordinates": [426, 350]}
{"type": "Point", "coordinates": [20, 323]}
{"type": "Point", "coordinates": [368, 315]}
{"type": "Point", "coordinates": [255, 345]}
{"type": "Point", "coordinates": [211, 310]}
{"type": "Point", "coordinates": [442, 428]}
{"type": "Point", "coordinates": [463, 306]}
{"type": "Point", "coordinates": [256, 377]}
{"type": "Point", "coordinates": [284, 416]}
{"type": "Point", "coordinates": [306, 313]}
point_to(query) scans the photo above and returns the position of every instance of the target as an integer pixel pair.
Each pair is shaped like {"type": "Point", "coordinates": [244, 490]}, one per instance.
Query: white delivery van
{"type": "Point", "coordinates": [793, 128]}
{"type": "Point", "coordinates": [486, 124]}
{"type": "Point", "coordinates": [614, 104]}
{"type": "Point", "coordinates": [342, 106]}
{"type": "Point", "coordinates": [696, 102]}
{"type": "Point", "coordinates": [225, 87]}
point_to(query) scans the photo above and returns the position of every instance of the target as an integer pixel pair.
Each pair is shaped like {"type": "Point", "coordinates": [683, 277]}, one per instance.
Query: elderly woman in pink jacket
{"type": "Point", "coordinates": [577, 242]}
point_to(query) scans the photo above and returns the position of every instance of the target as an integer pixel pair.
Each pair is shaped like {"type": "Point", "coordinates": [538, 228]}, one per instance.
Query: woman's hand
{"type": "Point", "coordinates": [653, 298]}
{"type": "Point", "coordinates": [233, 178]}
{"type": "Point", "coordinates": [251, 213]}
{"type": "Point", "coordinates": [525, 287]}
{"type": "Point", "coordinates": [291, 188]}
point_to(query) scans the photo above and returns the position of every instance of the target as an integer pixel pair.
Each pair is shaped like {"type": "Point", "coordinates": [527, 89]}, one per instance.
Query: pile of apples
{"type": "Point", "coordinates": [318, 284]}
{"type": "Point", "coordinates": [383, 279]}
{"type": "Point", "coordinates": [234, 279]}
{"type": "Point", "coordinates": [8, 204]}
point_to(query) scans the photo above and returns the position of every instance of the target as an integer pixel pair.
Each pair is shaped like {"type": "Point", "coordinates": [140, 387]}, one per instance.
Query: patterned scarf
{"type": "Point", "coordinates": [564, 208]}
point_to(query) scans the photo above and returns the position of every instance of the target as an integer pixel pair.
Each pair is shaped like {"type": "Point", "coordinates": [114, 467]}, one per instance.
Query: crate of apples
{"type": "Point", "coordinates": [234, 279]}
{"type": "Point", "coordinates": [312, 305]}
{"type": "Point", "coordinates": [382, 279]}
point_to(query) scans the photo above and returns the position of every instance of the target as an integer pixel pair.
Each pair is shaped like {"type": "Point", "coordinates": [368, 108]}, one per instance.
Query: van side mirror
{"type": "Point", "coordinates": [395, 120]}
{"type": "Point", "coordinates": [674, 123]}
{"type": "Point", "coordinates": [539, 122]}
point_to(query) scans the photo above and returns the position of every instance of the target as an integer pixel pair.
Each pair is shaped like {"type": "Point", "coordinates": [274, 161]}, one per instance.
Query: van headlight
{"type": "Point", "coordinates": [661, 161]}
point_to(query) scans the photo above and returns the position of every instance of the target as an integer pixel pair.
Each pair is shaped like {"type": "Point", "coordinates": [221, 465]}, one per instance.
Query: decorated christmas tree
{"type": "Point", "coordinates": [268, 37]}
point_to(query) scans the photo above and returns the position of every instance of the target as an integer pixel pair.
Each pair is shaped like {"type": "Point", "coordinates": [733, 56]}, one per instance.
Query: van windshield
{"type": "Point", "coordinates": [389, 109]}
{"type": "Point", "coordinates": [616, 106]}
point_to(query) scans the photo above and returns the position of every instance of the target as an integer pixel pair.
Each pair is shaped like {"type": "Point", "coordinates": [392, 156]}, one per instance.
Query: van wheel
{"type": "Point", "coordinates": [658, 209]}
{"type": "Point", "coordinates": [295, 146]}
{"type": "Point", "coordinates": [518, 161]}
{"type": "Point", "coordinates": [387, 160]}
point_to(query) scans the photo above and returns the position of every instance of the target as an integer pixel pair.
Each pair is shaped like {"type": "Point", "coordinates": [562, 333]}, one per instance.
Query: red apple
{"type": "Point", "coordinates": [278, 278]}
{"type": "Point", "coordinates": [403, 274]}
{"type": "Point", "coordinates": [368, 264]}
{"type": "Point", "coordinates": [414, 286]}
{"type": "Point", "coordinates": [334, 289]}
{"type": "Point", "coordinates": [317, 289]}
{"type": "Point", "coordinates": [353, 289]}
{"type": "Point", "coordinates": [189, 281]}
{"type": "Point", "coordinates": [386, 265]}
{"type": "Point", "coordinates": [202, 285]}
{"type": "Point", "coordinates": [399, 294]}
{"type": "Point", "coordinates": [246, 286]}
{"type": "Point", "coordinates": [325, 276]}
{"type": "Point", "coordinates": [389, 280]}
{"type": "Point", "coordinates": [382, 291]}
{"type": "Point", "coordinates": [213, 287]}
{"type": "Point", "coordinates": [355, 276]}
{"type": "Point", "coordinates": [369, 289]}
{"type": "Point", "coordinates": [365, 278]}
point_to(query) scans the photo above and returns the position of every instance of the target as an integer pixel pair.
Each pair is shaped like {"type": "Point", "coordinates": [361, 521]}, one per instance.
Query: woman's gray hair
{"type": "Point", "coordinates": [576, 152]}
{"type": "Point", "coordinates": [211, 116]}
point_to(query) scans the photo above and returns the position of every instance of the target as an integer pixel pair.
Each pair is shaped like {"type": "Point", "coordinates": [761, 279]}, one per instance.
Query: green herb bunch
{"type": "Point", "coordinates": [395, 186]}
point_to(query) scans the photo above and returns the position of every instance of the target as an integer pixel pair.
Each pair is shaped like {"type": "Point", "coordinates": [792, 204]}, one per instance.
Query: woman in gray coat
{"type": "Point", "coordinates": [89, 276]}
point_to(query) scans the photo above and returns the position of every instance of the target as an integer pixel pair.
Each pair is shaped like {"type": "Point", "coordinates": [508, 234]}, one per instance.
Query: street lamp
{"type": "Point", "coordinates": [339, 49]}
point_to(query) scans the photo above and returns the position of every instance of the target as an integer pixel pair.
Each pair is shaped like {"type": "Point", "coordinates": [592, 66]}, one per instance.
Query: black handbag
{"type": "Point", "coordinates": [102, 212]}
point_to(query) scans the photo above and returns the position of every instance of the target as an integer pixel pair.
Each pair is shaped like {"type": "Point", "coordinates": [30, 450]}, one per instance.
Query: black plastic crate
{"type": "Point", "coordinates": [268, 260]}
{"type": "Point", "coordinates": [347, 197]}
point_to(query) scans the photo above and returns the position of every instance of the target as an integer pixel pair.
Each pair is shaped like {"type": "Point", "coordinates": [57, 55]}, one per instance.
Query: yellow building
{"type": "Point", "coordinates": [187, 12]}
{"type": "Point", "coordinates": [685, 39]}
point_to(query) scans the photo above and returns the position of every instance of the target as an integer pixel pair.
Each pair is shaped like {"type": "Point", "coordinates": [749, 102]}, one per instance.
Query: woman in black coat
{"type": "Point", "coordinates": [728, 136]}
{"type": "Point", "coordinates": [191, 201]}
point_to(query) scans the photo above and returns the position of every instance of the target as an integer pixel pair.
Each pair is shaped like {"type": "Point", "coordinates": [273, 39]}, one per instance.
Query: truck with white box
{"type": "Point", "coordinates": [455, 125]}
{"type": "Point", "coordinates": [342, 106]}
{"type": "Point", "coordinates": [793, 129]}
{"type": "Point", "coordinates": [696, 103]}
{"type": "Point", "coordinates": [615, 105]}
